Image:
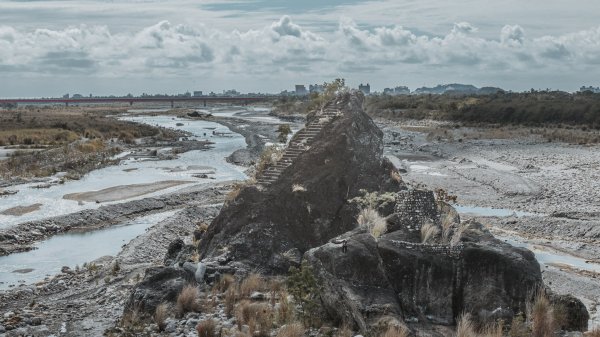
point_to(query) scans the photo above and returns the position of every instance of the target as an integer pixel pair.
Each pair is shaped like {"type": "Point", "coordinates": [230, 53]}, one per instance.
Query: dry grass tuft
{"type": "Point", "coordinates": [187, 301]}
{"type": "Point", "coordinates": [285, 310]}
{"type": "Point", "coordinates": [395, 175]}
{"type": "Point", "coordinates": [542, 317]}
{"type": "Point", "coordinates": [291, 330]}
{"type": "Point", "coordinates": [252, 283]}
{"type": "Point", "coordinates": [458, 234]}
{"type": "Point", "coordinates": [370, 219]}
{"type": "Point", "coordinates": [225, 282]}
{"type": "Point", "coordinates": [394, 331]}
{"type": "Point", "coordinates": [258, 316]}
{"type": "Point", "coordinates": [493, 330]}
{"type": "Point", "coordinates": [230, 299]}
{"type": "Point", "coordinates": [466, 327]}
{"type": "Point", "coordinates": [160, 316]}
{"type": "Point", "coordinates": [270, 156]}
{"type": "Point", "coordinates": [237, 188]}
{"type": "Point", "coordinates": [298, 188]}
{"type": "Point", "coordinates": [518, 328]}
{"type": "Point", "coordinates": [206, 328]}
{"type": "Point", "coordinates": [345, 331]}
{"type": "Point", "coordinates": [428, 232]}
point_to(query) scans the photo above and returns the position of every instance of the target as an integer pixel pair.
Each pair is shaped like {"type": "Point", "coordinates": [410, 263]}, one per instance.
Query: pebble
{"type": "Point", "coordinates": [171, 326]}
{"type": "Point", "coordinates": [257, 296]}
{"type": "Point", "coordinates": [2, 329]}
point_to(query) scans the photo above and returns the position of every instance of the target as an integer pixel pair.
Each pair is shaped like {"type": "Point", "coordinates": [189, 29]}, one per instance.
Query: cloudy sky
{"type": "Point", "coordinates": [48, 48]}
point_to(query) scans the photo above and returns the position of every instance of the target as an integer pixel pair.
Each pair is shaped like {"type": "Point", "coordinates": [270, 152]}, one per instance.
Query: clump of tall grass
{"type": "Point", "coordinates": [187, 301]}
{"type": "Point", "coordinates": [252, 283]}
{"type": "Point", "coordinates": [370, 219]}
{"type": "Point", "coordinates": [160, 316]}
{"type": "Point", "coordinates": [291, 330]}
{"type": "Point", "coordinates": [394, 331]}
{"type": "Point", "coordinates": [542, 316]}
{"type": "Point", "coordinates": [428, 232]}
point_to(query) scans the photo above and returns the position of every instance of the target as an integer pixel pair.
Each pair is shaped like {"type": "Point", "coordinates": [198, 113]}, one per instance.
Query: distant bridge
{"type": "Point", "coordinates": [131, 100]}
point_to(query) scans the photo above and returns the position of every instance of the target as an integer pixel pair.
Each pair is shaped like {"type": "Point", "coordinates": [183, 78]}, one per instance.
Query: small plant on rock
{"type": "Point", "coordinates": [284, 130]}
{"type": "Point", "coordinates": [298, 188]}
{"type": "Point", "coordinates": [428, 232]}
{"type": "Point", "coordinates": [370, 219]}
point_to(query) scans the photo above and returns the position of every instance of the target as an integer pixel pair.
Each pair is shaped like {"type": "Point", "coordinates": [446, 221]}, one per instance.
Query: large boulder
{"type": "Point", "coordinates": [160, 284]}
{"type": "Point", "coordinates": [418, 282]}
{"type": "Point", "coordinates": [264, 225]}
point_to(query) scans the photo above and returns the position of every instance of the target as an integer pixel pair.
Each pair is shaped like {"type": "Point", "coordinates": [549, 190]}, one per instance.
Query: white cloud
{"type": "Point", "coordinates": [286, 49]}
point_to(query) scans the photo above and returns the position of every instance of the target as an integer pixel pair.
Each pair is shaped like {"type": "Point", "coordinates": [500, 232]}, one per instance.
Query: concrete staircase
{"type": "Point", "coordinates": [299, 144]}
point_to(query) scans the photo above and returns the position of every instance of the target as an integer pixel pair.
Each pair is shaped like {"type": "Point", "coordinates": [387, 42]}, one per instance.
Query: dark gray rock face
{"type": "Point", "coordinates": [432, 283]}
{"type": "Point", "coordinates": [263, 223]}
{"type": "Point", "coordinates": [575, 314]}
{"type": "Point", "coordinates": [369, 282]}
{"type": "Point", "coordinates": [160, 284]}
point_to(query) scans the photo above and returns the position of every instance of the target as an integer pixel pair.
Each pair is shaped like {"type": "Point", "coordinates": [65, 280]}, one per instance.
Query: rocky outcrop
{"type": "Point", "coordinates": [266, 225]}
{"type": "Point", "coordinates": [429, 268]}
{"type": "Point", "coordinates": [160, 285]}
{"type": "Point", "coordinates": [433, 283]}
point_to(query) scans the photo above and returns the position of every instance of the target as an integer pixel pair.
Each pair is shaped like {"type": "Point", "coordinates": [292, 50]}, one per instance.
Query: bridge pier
{"type": "Point", "coordinates": [172, 104]}
{"type": "Point", "coordinates": [67, 104]}
{"type": "Point", "coordinates": [130, 103]}
{"type": "Point", "coordinates": [204, 103]}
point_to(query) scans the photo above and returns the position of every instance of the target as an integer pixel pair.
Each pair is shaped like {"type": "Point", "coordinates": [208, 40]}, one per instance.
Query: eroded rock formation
{"type": "Point", "coordinates": [267, 224]}
{"type": "Point", "coordinates": [428, 268]}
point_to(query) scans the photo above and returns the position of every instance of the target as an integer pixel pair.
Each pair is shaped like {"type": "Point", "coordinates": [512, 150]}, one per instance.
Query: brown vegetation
{"type": "Point", "coordinates": [77, 139]}
{"type": "Point", "coordinates": [187, 301]}
{"type": "Point", "coordinates": [542, 317]}
{"type": "Point", "coordinates": [160, 316]}
{"type": "Point", "coordinates": [291, 330]}
{"type": "Point", "coordinates": [394, 331]}
{"type": "Point", "coordinates": [252, 283]}
{"type": "Point", "coordinates": [206, 328]}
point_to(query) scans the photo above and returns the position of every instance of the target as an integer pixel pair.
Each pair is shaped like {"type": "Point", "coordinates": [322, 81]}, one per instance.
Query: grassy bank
{"type": "Point", "coordinates": [73, 140]}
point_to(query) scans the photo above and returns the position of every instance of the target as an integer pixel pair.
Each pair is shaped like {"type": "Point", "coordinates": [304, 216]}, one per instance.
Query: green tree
{"type": "Point", "coordinates": [302, 285]}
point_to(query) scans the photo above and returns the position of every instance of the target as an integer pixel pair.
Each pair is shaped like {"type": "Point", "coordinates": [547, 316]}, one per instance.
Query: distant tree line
{"type": "Point", "coordinates": [530, 108]}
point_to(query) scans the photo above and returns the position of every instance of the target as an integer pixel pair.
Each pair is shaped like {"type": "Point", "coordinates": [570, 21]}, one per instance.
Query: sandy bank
{"type": "Point", "coordinates": [20, 210]}
{"type": "Point", "coordinates": [123, 192]}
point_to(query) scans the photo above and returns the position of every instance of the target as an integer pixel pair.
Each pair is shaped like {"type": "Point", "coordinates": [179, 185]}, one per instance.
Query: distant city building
{"type": "Point", "coordinates": [66, 96]}
{"type": "Point", "coordinates": [318, 88]}
{"type": "Point", "coordinates": [402, 90]}
{"type": "Point", "coordinates": [595, 90]}
{"type": "Point", "coordinates": [366, 89]}
{"type": "Point", "coordinates": [197, 93]}
{"type": "Point", "coordinates": [76, 96]}
{"type": "Point", "coordinates": [301, 90]}
{"type": "Point", "coordinates": [231, 92]}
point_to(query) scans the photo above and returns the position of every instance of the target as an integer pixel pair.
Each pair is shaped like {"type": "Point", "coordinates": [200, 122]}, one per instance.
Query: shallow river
{"type": "Point", "coordinates": [57, 251]}
{"type": "Point", "coordinates": [134, 172]}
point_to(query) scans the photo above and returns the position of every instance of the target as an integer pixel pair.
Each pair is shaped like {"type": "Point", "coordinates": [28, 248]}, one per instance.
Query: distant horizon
{"type": "Point", "coordinates": [51, 47]}
{"type": "Point", "coordinates": [374, 90]}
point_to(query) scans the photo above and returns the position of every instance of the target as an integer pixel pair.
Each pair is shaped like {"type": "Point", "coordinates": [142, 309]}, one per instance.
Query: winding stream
{"type": "Point", "coordinates": [56, 252]}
